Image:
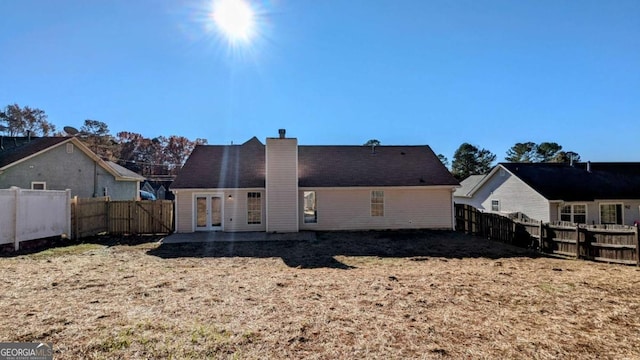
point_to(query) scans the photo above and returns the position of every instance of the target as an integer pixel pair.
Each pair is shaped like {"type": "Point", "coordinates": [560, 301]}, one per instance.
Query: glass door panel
{"type": "Point", "coordinates": [201, 212]}
{"type": "Point", "coordinates": [216, 211]}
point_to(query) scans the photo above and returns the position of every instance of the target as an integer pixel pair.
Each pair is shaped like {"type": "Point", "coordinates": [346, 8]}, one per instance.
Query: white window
{"type": "Point", "coordinates": [310, 210]}
{"type": "Point", "coordinates": [377, 203]}
{"type": "Point", "coordinates": [495, 205]}
{"type": "Point", "coordinates": [611, 214]}
{"type": "Point", "coordinates": [69, 148]}
{"type": "Point", "coordinates": [575, 213]}
{"type": "Point", "coordinates": [38, 185]}
{"type": "Point", "coordinates": [254, 208]}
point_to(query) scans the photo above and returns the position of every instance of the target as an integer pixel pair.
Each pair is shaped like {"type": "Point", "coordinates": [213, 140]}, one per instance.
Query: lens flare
{"type": "Point", "coordinates": [235, 19]}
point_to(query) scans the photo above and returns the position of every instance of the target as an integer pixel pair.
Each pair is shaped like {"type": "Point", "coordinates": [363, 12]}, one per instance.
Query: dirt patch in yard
{"type": "Point", "coordinates": [345, 295]}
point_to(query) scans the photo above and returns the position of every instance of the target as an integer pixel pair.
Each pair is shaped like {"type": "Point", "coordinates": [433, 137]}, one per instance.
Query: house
{"type": "Point", "coordinates": [593, 193]}
{"type": "Point", "coordinates": [281, 186]}
{"type": "Point", "coordinates": [461, 195]}
{"type": "Point", "coordinates": [60, 163]}
{"type": "Point", "coordinates": [156, 188]}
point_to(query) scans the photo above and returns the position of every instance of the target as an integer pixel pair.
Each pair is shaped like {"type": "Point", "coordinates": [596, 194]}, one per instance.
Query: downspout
{"type": "Point", "coordinates": [175, 211]}
{"type": "Point", "coordinates": [95, 178]}
{"type": "Point", "coordinates": [453, 211]}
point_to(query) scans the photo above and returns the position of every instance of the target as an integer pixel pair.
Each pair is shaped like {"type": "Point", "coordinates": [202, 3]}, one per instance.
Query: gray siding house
{"type": "Point", "coordinates": [593, 193]}
{"type": "Point", "coordinates": [60, 163]}
{"type": "Point", "coordinates": [281, 186]}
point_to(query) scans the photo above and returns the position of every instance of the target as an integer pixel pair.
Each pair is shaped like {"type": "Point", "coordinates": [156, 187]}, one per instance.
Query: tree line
{"type": "Point", "coordinates": [151, 157]}
{"type": "Point", "coordinates": [166, 155]}
{"type": "Point", "coordinates": [469, 159]}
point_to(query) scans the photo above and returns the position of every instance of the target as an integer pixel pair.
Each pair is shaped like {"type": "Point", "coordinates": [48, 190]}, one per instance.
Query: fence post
{"type": "Point", "coordinates": [68, 209]}
{"type": "Point", "coordinates": [540, 237]}
{"type": "Point", "coordinates": [16, 223]}
{"type": "Point", "coordinates": [108, 213]}
{"type": "Point", "coordinates": [74, 211]}
{"type": "Point", "coordinates": [637, 227]}
{"type": "Point", "coordinates": [577, 241]}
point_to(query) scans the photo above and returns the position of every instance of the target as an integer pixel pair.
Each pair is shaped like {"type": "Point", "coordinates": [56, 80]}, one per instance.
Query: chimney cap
{"type": "Point", "coordinates": [282, 133]}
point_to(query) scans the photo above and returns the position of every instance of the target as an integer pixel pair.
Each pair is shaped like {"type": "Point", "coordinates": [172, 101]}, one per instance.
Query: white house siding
{"type": "Point", "coordinates": [514, 196]}
{"type": "Point", "coordinates": [282, 185]}
{"type": "Point", "coordinates": [234, 212]}
{"type": "Point", "coordinates": [404, 208]}
{"type": "Point", "coordinates": [554, 211]}
{"type": "Point", "coordinates": [473, 201]}
{"type": "Point", "coordinates": [184, 210]}
{"type": "Point", "coordinates": [630, 210]}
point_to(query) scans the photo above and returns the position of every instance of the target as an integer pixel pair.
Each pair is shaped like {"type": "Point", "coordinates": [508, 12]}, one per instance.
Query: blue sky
{"type": "Point", "coordinates": [441, 73]}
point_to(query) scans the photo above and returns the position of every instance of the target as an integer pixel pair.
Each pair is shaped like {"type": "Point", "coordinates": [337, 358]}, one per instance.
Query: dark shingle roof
{"type": "Point", "coordinates": [15, 149]}
{"type": "Point", "coordinates": [243, 166]}
{"type": "Point", "coordinates": [223, 166]}
{"type": "Point", "coordinates": [574, 183]}
{"type": "Point", "coordinates": [326, 166]}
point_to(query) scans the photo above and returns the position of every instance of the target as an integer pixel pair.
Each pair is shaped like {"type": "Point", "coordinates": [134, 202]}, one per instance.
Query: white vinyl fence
{"type": "Point", "coordinates": [33, 214]}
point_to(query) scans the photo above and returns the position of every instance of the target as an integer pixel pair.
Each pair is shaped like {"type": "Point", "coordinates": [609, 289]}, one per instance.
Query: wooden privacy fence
{"type": "Point", "coordinates": [609, 243]}
{"type": "Point", "coordinates": [93, 216]}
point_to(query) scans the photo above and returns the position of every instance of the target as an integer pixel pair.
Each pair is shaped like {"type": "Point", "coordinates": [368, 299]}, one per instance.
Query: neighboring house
{"type": "Point", "coordinates": [156, 188]}
{"type": "Point", "coordinates": [461, 195]}
{"type": "Point", "coordinates": [283, 187]}
{"type": "Point", "coordinates": [60, 163]}
{"type": "Point", "coordinates": [600, 193]}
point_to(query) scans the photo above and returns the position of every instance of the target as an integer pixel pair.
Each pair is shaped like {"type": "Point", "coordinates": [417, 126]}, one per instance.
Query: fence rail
{"type": "Point", "coordinates": [609, 243]}
{"type": "Point", "coordinates": [94, 216]}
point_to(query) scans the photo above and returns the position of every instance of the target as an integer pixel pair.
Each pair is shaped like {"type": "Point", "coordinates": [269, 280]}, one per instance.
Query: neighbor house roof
{"type": "Point", "coordinates": [18, 149]}
{"type": "Point", "coordinates": [243, 166]}
{"type": "Point", "coordinates": [467, 185]}
{"type": "Point", "coordinates": [14, 149]}
{"type": "Point", "coordinates": [124, 173]}
{"type": "Point", "coordinates": [557, 181]}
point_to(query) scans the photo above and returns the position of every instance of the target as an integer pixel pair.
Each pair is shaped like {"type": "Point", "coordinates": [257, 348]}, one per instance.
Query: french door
{"type": "Point", "coordinates": [208, 210]}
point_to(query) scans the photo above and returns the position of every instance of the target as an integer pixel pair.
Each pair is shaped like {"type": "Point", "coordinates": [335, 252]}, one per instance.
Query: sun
{"type": "Point", "coordinates": [235, 19]}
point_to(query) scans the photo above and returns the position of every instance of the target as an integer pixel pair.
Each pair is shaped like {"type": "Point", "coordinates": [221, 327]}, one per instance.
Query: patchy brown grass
{"type": "Point", "coordinates": [346, 295]}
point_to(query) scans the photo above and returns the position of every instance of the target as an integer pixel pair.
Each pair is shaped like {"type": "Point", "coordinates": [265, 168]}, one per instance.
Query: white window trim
{"type": "Point", "coordinates": [611, 203]}
{"type": "Point", "coordinates": [384, 205]}
{"type": "Point", "coordinates": [260, 209]}
{"type": "Point", "coordinates": [573, 213]}
{"type": "Point", "coordinates": [43, 183]}
{"type": "Point", "coordinates": [315, 205]}
{"type": "Point", "coordinates": [70, 148]}
{"type": "Point", "coordinates": [499, 205]}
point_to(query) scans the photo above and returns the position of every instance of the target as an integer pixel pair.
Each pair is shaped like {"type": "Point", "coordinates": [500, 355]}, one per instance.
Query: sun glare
{"type": "Point", "coordinates": [235, 19]}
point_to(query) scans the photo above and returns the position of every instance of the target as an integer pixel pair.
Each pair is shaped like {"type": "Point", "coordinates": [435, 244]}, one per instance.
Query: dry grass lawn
{"type": "Point", "coordinates": [346, 295]}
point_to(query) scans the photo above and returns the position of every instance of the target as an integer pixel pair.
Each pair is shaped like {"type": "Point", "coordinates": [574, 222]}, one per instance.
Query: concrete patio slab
{"type": "Point", "coordinates": [218, 236]}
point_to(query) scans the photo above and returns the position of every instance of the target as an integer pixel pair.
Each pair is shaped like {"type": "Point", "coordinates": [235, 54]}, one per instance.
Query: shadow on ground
{"type": "Point", "coordinates": [38, 245]}
{"type": "Point", "coordinates": [322, 252]}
